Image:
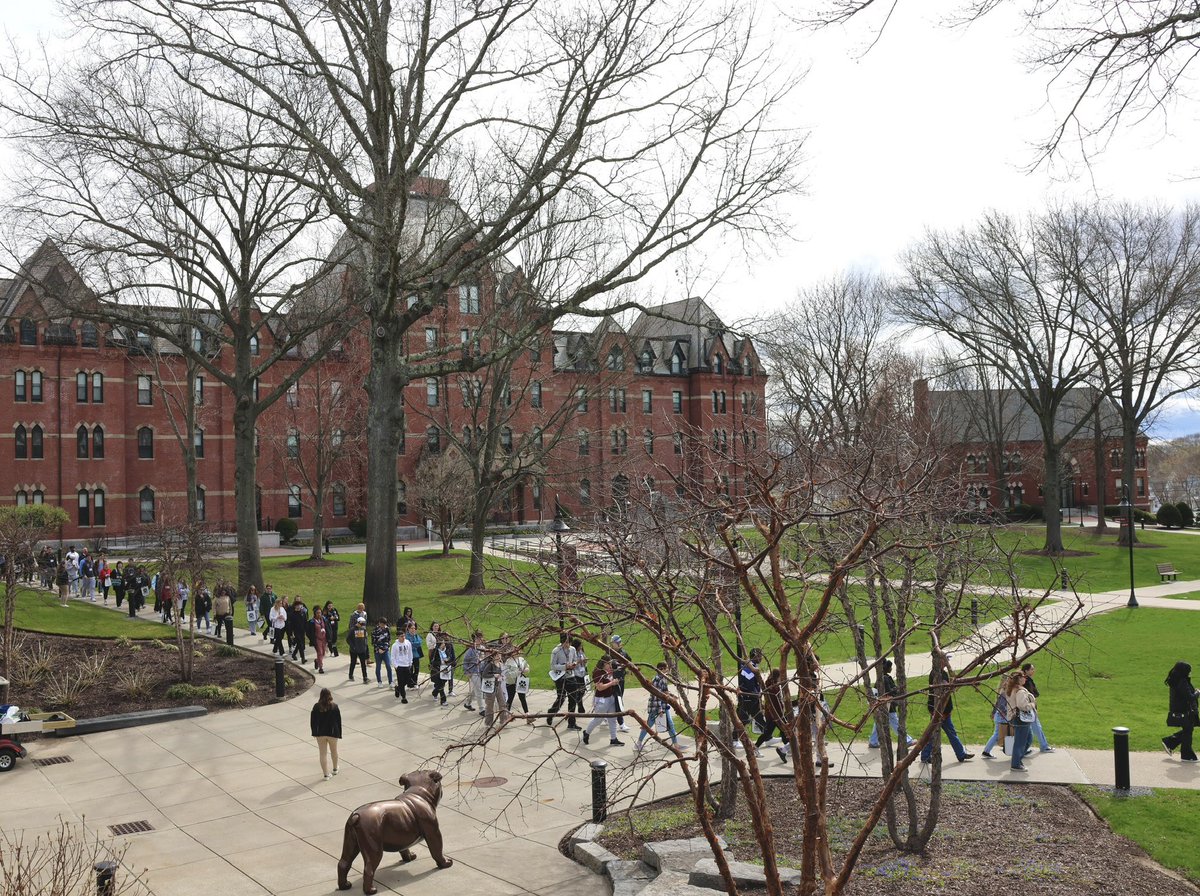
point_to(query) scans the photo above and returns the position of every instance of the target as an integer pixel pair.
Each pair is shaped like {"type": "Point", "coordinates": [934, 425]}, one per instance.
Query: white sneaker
{"type": "Point", "coordinates": [327, 777]}
{"type": "Point", "coordinates": [637, 747]}
{"type": "Point", "coordinates": [624, 728]}
{"type": "Point", "coordinates": [335, 771]}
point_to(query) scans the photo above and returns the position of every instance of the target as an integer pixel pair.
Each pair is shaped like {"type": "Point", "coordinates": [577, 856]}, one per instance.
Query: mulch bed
{"type": "Point", "coordinates": [991, 839]}
{"type": "Point", "coordinates": [158, 664]}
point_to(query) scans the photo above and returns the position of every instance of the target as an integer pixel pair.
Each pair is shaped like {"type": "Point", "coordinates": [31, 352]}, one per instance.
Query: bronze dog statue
{"type": "Point", "coordinates": [394, 826]}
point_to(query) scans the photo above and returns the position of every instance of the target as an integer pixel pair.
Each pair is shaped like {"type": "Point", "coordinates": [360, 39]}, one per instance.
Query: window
{"type": "Point", "coordinates": [335, 390]}
{"type": "Point", "coordinates": [748, 367]}
{"type": "Point", "coordinates": [714, 403]}
{"type": "Point", "coordinates": [430, 338]}
{"type": "Point", "coordinates": [506, 395]}
{"type": "Point", "coordinates": [145, 443]}
{"type": "Point", "coordinates": [646, 362]}
{"type": "Point", "coordinates": [198, 390]}
{"type": "Point", "coordinates": [433, 440]}
{"type": "Point", "coordinates": [535, 394]}
{"type": "Point", "coordinates": [21, 443]}
{"type": "Point", "coordinates": [337, 438]}
{"type": "Point", "coordinates": [1114, 458]}
{"type": "Point", "coordinates": [198, 442]}
{"type": "Point", "coordinates": [722, 397]}
{"type": "Point", "coordinates": [36, 446]}
{"type": "Point", "coordinates": [677, 361]}
{"type": "Point", "coordinates": [472, 392]}
{"type": "Point", "coordinates": [22, 497]}
{"type": "Point", "coordinates": [146, 505]}
{"type": "Point", "coordinates": [585, 446]}
{"type": "Point", "coordinates": [676, 401]}
{"type": "Point", "coordinates": [648, 441]}
{"type": "Point", "coordinates": [506, 440]}
{"type": "Point", "coordinates": [28, 332]}
{"type": "Point", "coordinates": [20, 386]}
{"type": "Point", "coordinates": [143, 341]}
{"type": "Point", "coordinates": [719, 364]}
{"type": "Point", "coordinates": [585, 491]}
{"type": "Point", "coordinates": [339, 499]}
{"type": "Point", "coordinates": [401, 498]}
{"type": "Point", "coordinates": [85, 505]}
{"type": "Point", "coordinates": [143, 389]}
{"type": "Point", "coordinates": [97, 388]}
{"type": "Point", "coordinates": [98, 507]}
{"type": "Point", "coordinates": [581, 401]}
{"type": "Point", "coordinates": [1139, 459]}
{"type": "Point", "coordinates": [81, 442]}
{"type": "Point", "coordinates": [35, 386]}
{"type": "Point", "coordinates": [537, 494]}
{"type": "Point", "coordinates": [197, 340]}
{"type": "Point", "coordinates": [411, 302]}
{"type": "Point", "coordinates": [293, 396]}
{"type": "Point", "coordinates": [1141, 486]}
{"type": "Point", "coordinates": [616, 400]}
{"type": "Point", "coordinates": [647, 401]}
{"type": "Point", "coordinates": [1085, 489]}
{"type": "Point", "coordinates": [90, 335]}
{"type": "Point", "coordinates": [677, 442]}
{"type": "Point", "coordinates": [81, 388]}
{"type": "Point", "coordinates": [620, 441]}
{"type": "Point", "coordinates": [754, 439]}
{"type": "Point", "coordinates": [201, 503]}
{"type": "Point", "coordinates": [468, 298]}
{"type": "Point", "coordinates": [293, 502]}
{"type": "Point", "coordinates": [254, 388]}
{"type": "Point", "coordinates": [293, 444]}
{"type": "Point", "coordinates": [616, 359]}
{"type": "Point", "coordinates": [432, 392]}
{"type": "Point", "coordinates": [539, 439]}
{"type": "Point", "coordinates": [254, 345]}
{"type": "Point", "coordinates": [98, 443]}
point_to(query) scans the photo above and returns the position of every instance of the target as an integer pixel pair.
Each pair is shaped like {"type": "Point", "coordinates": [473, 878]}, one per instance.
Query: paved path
{"type": "Point", "coordinates": [238, 804]}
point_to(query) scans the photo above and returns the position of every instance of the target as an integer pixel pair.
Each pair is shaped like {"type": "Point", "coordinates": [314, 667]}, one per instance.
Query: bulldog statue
{"type": "Point", "coordinates": [394, 826]}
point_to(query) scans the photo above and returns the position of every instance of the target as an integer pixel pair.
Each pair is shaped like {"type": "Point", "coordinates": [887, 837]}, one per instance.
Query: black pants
{"type": "Point", "coordinates": [331, 637]}
{"type": "Point", "coordinates": [575, 690]}
{"type": "Point", "coordinates": [768, 731]}
{"type": "Point", "coordinates": [749, 709]}
{"type": "Point", "coordinates": [358, 658]}
{"type": "Point", "coordinates": [277, 641]}
{"type": "Point", "coordinates": [416, 671]}
{"type": "Point", "coordinates": [404, 678]}
{"type": "Point", "coordinates": [512, 692]}
{"type": "Point", "coordinates": [560, 695]}
{"type": "Point", "coordinates": [1182, 740]}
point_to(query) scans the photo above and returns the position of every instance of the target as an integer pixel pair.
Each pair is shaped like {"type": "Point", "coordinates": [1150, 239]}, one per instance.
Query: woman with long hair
{"type": "Point", "coordinates": [1021, 707]}
{"type": "Point", "coordinates": [325, 722]}
{"type": "Point", "coordinates": [604, 686]}
{"type": "Point", "coordinates": [1181, 712]}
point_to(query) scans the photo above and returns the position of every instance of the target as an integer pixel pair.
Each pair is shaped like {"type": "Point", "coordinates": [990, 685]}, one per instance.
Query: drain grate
{"type": "Point", "coordinates": [489, 782]}
{"type": "Point", "coordinates": [53, 760]}
{"type": "Point", "coordinates": [130, 827]}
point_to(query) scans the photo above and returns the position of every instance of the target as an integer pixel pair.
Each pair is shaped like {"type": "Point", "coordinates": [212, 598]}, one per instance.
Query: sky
{"type": "Point", "coordinates": [929, 126]}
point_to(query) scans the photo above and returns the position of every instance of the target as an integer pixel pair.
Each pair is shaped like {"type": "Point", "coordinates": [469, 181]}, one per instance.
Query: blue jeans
{"type": "Point", "coordinates": [997, 721]}
{"type": "Point", "coordinates": [385, 661]}
{"type": "Point", "coordinates": [948, 729]}
{"type": "Point", "coordinates": [650, 726]}
{"type": "Point", "coordinates": [1022, 738]}
{"type": "Point", "coordinates": [1037, 732]}
{"type": "Point", "coordinates": [893, 721]}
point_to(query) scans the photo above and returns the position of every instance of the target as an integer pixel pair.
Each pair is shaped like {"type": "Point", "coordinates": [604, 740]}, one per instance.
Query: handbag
{"type": "Point", "coordinates": [446, 672]}
{"type": "Point", "coordinates": [522, 684]}
{"type": "Point", "coordinates": [1177, 719]}
{"type": "Point", "coordinates": [1026, 716]}
{"type": "Point", "coordinates": [488, 686]}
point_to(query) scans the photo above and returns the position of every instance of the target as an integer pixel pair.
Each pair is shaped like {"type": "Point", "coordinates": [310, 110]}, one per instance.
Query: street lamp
{"type": "Point", "coordinates": [558, 527]}
{"type": "Point", "coordinates": [1127, 506]}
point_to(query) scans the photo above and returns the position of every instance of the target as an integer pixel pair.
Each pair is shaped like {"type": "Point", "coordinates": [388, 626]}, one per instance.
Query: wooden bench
{"type": "Point", "coordinates": [1167, 571]}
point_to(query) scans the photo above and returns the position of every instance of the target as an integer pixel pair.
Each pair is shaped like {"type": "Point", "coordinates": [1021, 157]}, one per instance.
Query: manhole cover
{"type": "Point", "coordinates": [53, 760]}
{"type": "Point", "coordinates": [489, 782]}
{"type": "Point", "coordinates": [130, 827]}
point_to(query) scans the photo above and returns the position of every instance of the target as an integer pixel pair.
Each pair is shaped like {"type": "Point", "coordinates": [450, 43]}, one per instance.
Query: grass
{"type": "Point", "coordinates": [1156, 823]}
{"type": "Point", "coordinates": [41, 611]}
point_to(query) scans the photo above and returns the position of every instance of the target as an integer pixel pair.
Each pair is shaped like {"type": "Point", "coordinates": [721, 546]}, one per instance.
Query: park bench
{"type": "Point", "coordinates": [1167, 571]}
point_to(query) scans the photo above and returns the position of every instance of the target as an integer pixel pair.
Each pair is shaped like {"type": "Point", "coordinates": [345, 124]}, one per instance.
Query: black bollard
{"type": "Point", "coordinates": [278, 677]}
{"type": "Point", "coordinates": [1066, 580]}
{"type": "Point", "coordinates": [106, 878]}
{"type": "Point", "coordinates": [229, 630]}
{"type": "Point", "coordinates": [1121, 758]}
{"type": "Point", "coordinates": [599, 790]}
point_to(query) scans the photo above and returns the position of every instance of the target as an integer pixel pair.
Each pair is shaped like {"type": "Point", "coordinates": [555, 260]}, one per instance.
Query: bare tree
{"type": "Point", "coordinates": [444, 488]}
{"type": "Point", "coordinates": [998, 293]}
{"type": "Point", "coordinates": [21, 528]}
{"type": "Point", "coordinates": [590, 148]}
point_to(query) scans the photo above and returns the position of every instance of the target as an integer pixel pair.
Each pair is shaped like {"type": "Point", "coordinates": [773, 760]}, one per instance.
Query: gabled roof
{"type": "Point", "coordinates": [48, 273]}
{"type": "Point", "coordinates": [958, 413]}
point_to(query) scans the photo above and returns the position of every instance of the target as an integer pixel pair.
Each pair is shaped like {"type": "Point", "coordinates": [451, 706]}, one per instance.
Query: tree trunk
{"type": "Point", "coordinates": [1127, 535]}
{"type": "Point", "coordinates": [385, 385]}
{"type": "Point", "coordinates": [1100, 462]}
{"type": "Point", "coordinates": [245, 485]}
{"type": "Point", "coordinates": [475, 581]}
{"type": "Point", "coordinates": [10, 609]}
{"type": "Point", "coordinates": [1051, 457]}
{"type": "Point", "coordinates": [318, 535]}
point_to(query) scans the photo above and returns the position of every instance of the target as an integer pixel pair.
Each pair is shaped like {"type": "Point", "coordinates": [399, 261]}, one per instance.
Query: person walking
{"type": "Point", "coordinates": [401, 657]}
{"type": "Point", "coordinates": [222, 607]}
{"type": "Point", "coordinates": [320, 638]}
{"type": "Point", "coordinates": [358, 642]}
{"type": "Point", "coordinates": [939, 679]}
{"type": "Point", "coordinates": [775, 710]}
{"type": "Point", "coordinates": [117, 578]}
{"type": "Point", "coordinates": [253, 600]}
{"type": "Point", "coordinates": [749, 696]}
{"type": "Point", "coordinates": [62, 579]}
{"type": "Point", "coordinates": [266, 600]}
{"type": "Point", "coordinates": [103, 575]}
{"type": "Point", "coordinates": [1181, 712]}
{"type": "Point", "coordinates": [381, 642]}
{"type": "Point", "coordinates": [472, 668]}
{"type": "Point", "coordinates": [202, 607]}
{"type": "Point", "coordinates": [561, 667]}
{"type": "Point", "coordinates": [491, 682]}
{"type": "Point", "coordinates": [277, 619]}
{"type": "Point", "coordinates": [332, 618]}
{"type": "Point", "coordinates": [999, 719]}
{"type": "Point", "coordinates": [516, 681]}
{"type": "Point", "coordinates": [298, 628]}
{"type": "Point", "coordinates": [441, 666]}
{"type": "Point", "coordinates": [1036, 727]}
{"type": "Point", "coordinates": [892, 692]}
{"type": "Point", "coordinates": [417, 643]}
{"type": "Point", "coordinates": [325, 722]}
{"type": "Point", "coordinates": [604, 686]}
{"type": "Point", "coordinates": [658, 707]}
{"type": "Point", "coordinates": [620, 661]}
{"type": "Point", "coordinates": [1022, 707]}
{"type": "Point", "coordinates": [576, 684]}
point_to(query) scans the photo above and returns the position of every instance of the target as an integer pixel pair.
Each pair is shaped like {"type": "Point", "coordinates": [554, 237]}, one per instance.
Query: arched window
{"type": "Point", "coordinates": [146, 505]}
{"type": "Point", "coordinates": [98, 507]}
{"type": "Point", "coordinates": [81, 442]}
{"type": "Point", "coordinates": [718, 364]}
{"type": "Point", "coordinates": [677, 361]}
{"type": "Point", "coordinates": [294, 502]}
{"type": "Point", "coordinates": [293, 444]}
{"type": "Point", "coordinates": [535, 394]}
{"type": "Point", "coordinates": [39, 496]}
{"type": "Point", "coordinates": [35, 386]}
{"type": "Point", "coordinates": [585, 491]}
{"type": "Point", "coordinates": [339, 499]}
{"type": "Point", "coordinates": [36, 442]}
{"type": "Point", "coordinates": [97, 388]}
{"type": "Point", "coordinates": [20, 443]}
{"type": "Point", "coordinates": [1114, 459]}
{"type": "Point", "coordinates": [85, 503]}
{"type": "Point", "coordinates": [433, 440]}
{"type": "Point", "coordinates": [748, 367]}
{"type": "Point", "coordinates": [81, 387]}
{"type": "Point", "coordinates": [28, 332]}
{"type": "Point", "coordinates": [145, 443]}
{"type": "Point", "coordinates": [506, 440]}
{"type": "Point", "coordinates": [254, 345]}
{"type": "Point", "coordinates": [201, 503]}
{"type": "Point", "coordinates": [647, 361]}
{"type": "Point", "coordinates": [616, 359]}
{"type": "Point", "coordinates": [22, 497]}
{"type": "Point", "coordinates": [20, 386]}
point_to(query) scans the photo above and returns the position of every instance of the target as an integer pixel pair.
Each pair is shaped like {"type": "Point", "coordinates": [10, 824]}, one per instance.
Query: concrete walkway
{"type": "Point", "coordinates": [238, 805]}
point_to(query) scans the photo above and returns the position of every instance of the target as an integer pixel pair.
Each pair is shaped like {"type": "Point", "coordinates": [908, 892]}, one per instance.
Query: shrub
{"type": "Point", "coordinates": [287, 529]}
{"type": "Point", "coordinates": [1187, 519]}
{"type": "Point", "coordinates": [1024, 513]}
{"type": "Point", "coordinates": [227, 650]}
{"type": "Point", "coordinates": [245, 685]}
{"type": "Point", "coordinates": [358, 527]}
{"type": "Point", "coordinates": [134, 682]}
{"type": "Point", "coordinates": [1114, 511]}
{"type": "Point", "coordinates": [1168, 515]}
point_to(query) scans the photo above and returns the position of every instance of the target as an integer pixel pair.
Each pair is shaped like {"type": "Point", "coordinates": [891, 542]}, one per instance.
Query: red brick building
{"type": "Point", "coordinates": [674, 403]}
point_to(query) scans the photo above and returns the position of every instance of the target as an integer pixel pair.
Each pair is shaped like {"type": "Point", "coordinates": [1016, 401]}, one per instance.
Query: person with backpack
{"type": "Point", "coordinates": [939, 680]}
{"type": "Point", "coordinates": [1181, 712]}
{"type": "Point", "coordinates": [358, 643]}
{"type": "Point", "coordinates": [381, 642]}
{"type": "Point", "coordinates": [332, 618]}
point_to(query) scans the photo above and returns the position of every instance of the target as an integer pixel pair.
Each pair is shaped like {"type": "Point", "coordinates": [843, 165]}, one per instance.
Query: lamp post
{"type": "Point", "coordinates": [558, 527]}
{"type": "Point", "coordinates": [1127, 506]}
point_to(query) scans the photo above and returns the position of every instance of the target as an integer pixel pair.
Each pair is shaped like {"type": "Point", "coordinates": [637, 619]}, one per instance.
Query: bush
{"type": "Point", "coordinates": [228, 650]}
{"type": "Point", "coordinates": [1187, 519]}
{"type": "Point", "coordinates": [287, 529]}
{"type": "Point", "coordinates": [1168, 515]}
{"type": "Point", "coordinates": [358, 527]}
{"type": "Point", "coordinates": [1024, 513]}
{"type": "Point", "coordinates": [1115, 512]}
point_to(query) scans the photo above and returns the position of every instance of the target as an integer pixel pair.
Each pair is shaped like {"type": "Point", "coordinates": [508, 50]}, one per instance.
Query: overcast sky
{"type": "Point", "coordinates": [930, 127]}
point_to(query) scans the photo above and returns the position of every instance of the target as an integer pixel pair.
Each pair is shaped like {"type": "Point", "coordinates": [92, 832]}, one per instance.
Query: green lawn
{"type": "Point", "coordinates": [41, 611]}
{"type": "Point", "coordinates": [1158, 824]}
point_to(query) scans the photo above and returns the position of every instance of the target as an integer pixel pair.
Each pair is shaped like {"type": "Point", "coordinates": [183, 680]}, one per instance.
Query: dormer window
{"type": "Point", "coordinates": [28, 332]}
{"type": "Point", "coordinates": [718, 364]}
{"type": "Point", "coordinates": [677, 361]}
{"type": "Point", "coordinates": [646, 362]}
{"type": "Point", "coordinates": [616, 359]}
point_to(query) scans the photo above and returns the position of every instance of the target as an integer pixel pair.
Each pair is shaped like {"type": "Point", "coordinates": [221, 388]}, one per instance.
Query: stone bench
{"type": "Point", "coordinates": [131, 720]}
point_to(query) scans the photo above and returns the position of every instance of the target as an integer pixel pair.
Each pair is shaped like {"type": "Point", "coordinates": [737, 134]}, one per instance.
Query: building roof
{"type": "Point", "coordinates": [962, 415]}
